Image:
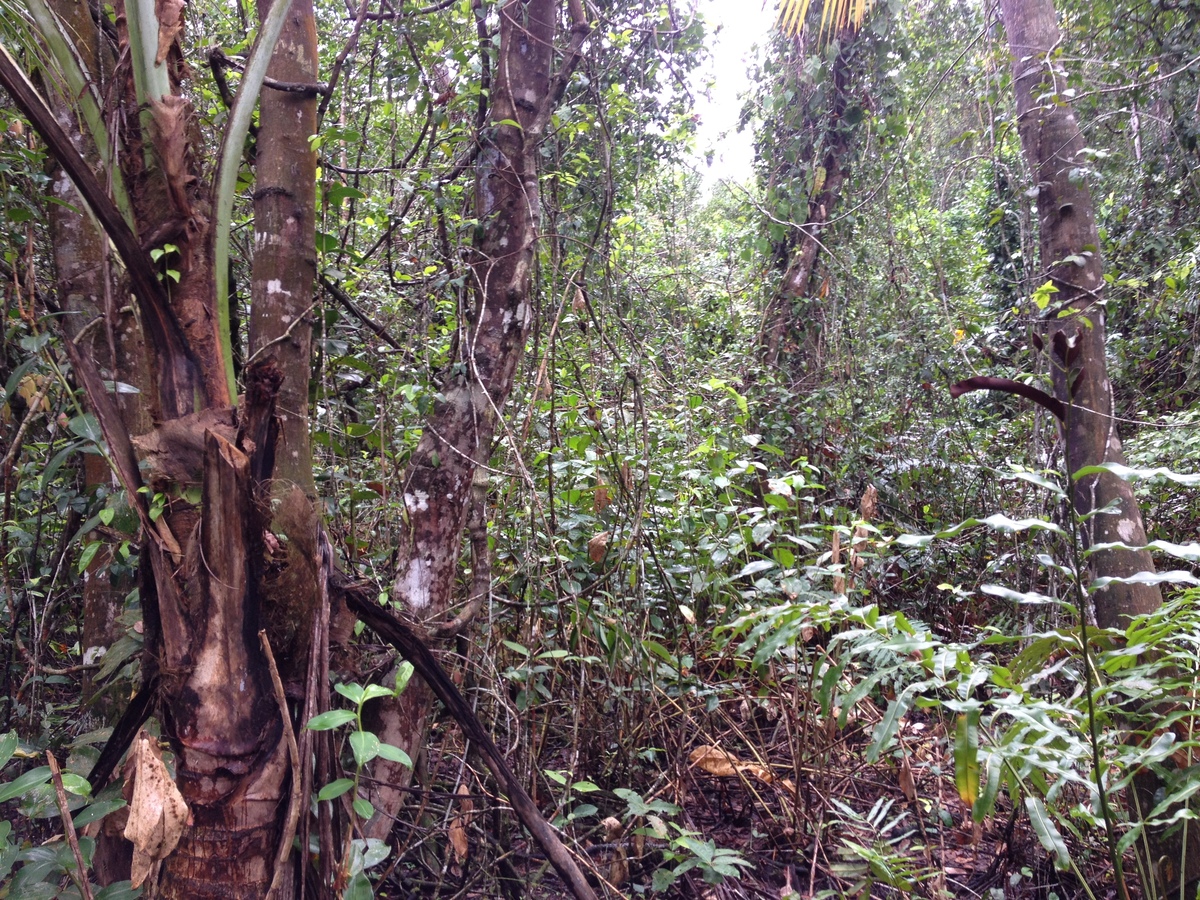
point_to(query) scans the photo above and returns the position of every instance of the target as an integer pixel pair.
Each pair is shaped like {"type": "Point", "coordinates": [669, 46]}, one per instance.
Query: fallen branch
{"type": "Point", "coordinates": [362, 603]}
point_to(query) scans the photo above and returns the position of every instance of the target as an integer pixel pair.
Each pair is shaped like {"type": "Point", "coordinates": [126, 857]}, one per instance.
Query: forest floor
{"type": "Point", "coordinates": [895, 828]}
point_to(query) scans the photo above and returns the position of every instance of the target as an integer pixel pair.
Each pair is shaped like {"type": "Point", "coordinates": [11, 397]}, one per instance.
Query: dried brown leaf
{"type": "Point", "coordinates": [157, 811]}
{"type": "Point", "coordinates": [458, 825]}
{"type": "Point", "coordinates": [601, 500]}
{"type": "Point", "coordinates": [170, 25]}
{"type": "Point", "coordinates": [869, 504]}
{"type": "Point", "coordinates": [597, 546]}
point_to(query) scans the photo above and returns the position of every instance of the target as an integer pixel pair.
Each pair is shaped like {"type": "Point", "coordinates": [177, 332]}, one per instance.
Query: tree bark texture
{"type": "Point", "coordinates": [458, 437]}
{"type": "Point", "coordinates": [88, 288]}
{"type": "Point", "coordinates": [283, 286]}
{"type": "Point", "coordinates": [1070, 252]}
{"type": "Point", "coordinates": [203, 566]}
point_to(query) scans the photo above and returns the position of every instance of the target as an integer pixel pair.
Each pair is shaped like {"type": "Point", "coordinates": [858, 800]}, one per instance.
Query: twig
{"type": "Point", "coordinates": [343, 298]}
{"type": "Point", "coordinates": [293, 811]}
{"type": "Point", "coordinates": [80, 874]}
{"type": "Point", "coordinates": [283, 337]}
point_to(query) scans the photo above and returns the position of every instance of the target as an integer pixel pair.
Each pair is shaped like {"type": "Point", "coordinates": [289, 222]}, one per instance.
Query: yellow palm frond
{"type": "Point", "coordinates": [836, 15]}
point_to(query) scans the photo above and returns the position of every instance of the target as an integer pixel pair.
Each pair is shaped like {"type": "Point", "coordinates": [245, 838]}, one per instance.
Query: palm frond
{"type": "Point", "coordinates": [836, 15]}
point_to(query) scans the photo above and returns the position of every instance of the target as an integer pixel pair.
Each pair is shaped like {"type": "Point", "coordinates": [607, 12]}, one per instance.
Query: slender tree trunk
{"type": "Point", "coordinates": [459, 435]}
{"type": "Point", "coordinates": [1070, 251]}
{"type": "Point", "coordinates": [797, 281]}
{"type": "Point", "coordinates": [283, 284]}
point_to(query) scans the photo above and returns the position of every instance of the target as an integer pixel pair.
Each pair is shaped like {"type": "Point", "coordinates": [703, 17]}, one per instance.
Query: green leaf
{"type": "Point", "coordinates": [95, 811]}
{"type": "Point", "coordinates": [8, 746]}
{"type": "Point", "coordinates": [1004, 593]}
{"type": "Point", "coordinates": [392, 753]}
{"type": "Point", "coordinates": [76, 784]}
{"type": "Point", "coordinates": [882, 736]}
{"type": "Point", "coordinates": [365, 746]}
{"type": "Point", "coordinates": [32, 779]}
{"type": "Point", "coordinates": [86, 426]}
{"type": "Point", "coordinates": [753, 568]}
{"type": "Point", "coordinates": [966, 756]}
{"type": "Point", "coordinates": [363, 808]}
{"type": "Point", "coordinates": [1040, 480]}
{"type": "Point", "coordinates": [1130, 473]}
{"type": "Point", "coordinates": [335, 789]}
{"type": "Point", "coordinates": [88, 554]}
{"type": "Point", "coordinates": [374, 691]}
{"type": "Point", "coordinates": [352, 692]}
{"type": "Point", "coordinates": [1047, 832]}
{"type": "Point", "coordinates": [404, 672]}
{"type": "Point", "coordinates": [1174, 577]}
{"type": "Point", "coordinates": [334, 718]}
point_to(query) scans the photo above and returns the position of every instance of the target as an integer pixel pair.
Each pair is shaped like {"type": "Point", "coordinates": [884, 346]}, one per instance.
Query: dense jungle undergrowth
{"type": "Point", "coordinates": [421, 480]}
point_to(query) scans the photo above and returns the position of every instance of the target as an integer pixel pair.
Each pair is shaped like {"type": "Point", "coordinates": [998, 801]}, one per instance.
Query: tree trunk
{"type": "Point", "coordinates": [805, 247]}
{"type": "Point", "coordinates": [459, 435]}
{"type": "Point", "coordinates": [1070, 251]}
{"type": "Point", "coordinates": [88, 288]}
{"type": "Point", "coordinates": [283, 283]}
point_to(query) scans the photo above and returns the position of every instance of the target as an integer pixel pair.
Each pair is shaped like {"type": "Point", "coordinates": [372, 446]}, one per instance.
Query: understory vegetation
{"type": "Point", "coordinates": [751, 605]}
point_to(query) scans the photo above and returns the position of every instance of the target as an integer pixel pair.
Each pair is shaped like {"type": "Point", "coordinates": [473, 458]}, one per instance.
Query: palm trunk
{"type": "Point", "coordinates": [797, 284]}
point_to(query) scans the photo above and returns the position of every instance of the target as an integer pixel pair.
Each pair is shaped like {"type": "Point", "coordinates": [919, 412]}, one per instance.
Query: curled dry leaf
{"type": "Point", "coordinates": [157, 811]}
{"type": "Point", "coordinates": [597, 546]}
{"type": "Point", "coordinates": [602, 499]}
{"type": "Point", "coordinates": [716, 761]}
{"type": "Point", "coordinates": [869, 505]}
{"type": "Point", "coordinates": [170, 24]}
{"type": "Point", "coordinates": [458, 825]}
{"type": "Point", "coordinates": [618, 869]}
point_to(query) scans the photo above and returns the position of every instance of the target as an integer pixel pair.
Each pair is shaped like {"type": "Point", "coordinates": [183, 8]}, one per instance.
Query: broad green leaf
{"type": "Point", "coordinates": [1174, 577]}
{"type": "Point", "coordinates": [1047, 832]}
{"type": "Point", "coordinates": [1129, 473]}
{"type": "Point", "coordinates": [1039, 480]}
{"type": "Point", "coordinates": [334, 718]}
{"type": "Point", "coordinates": [335, 789]}
{"type": "Point", "coordinates": [363, 808]}
{"type": "Point", "coordinates": [404, 672]}
{"type": "Point", "coordinates": [27, 782]}
{"type": "Point", "coordinates": [8, 746]}
{"type": "Point", "coordinates": [1004, 593]}
{"type": "Point", "coordinates": [365, 746]}
{"type": "Point", "coordinates": [753, 568]}
{"type": "Point", "coordinates": [352, 692]}
{"type": "Point", "coordinates": [95, 811]}
{"type": "Point", "coordinates": [966, 756]}
{"type": "Point", "coordinates": [392, 753]}
{"type": "Point", "coordinates": [373, 691]}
